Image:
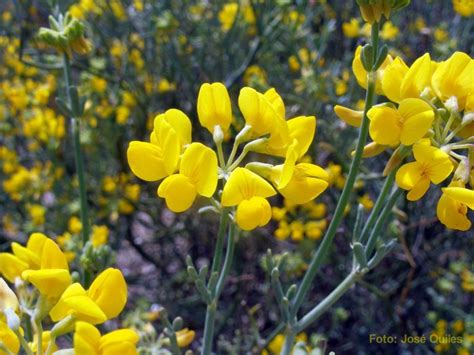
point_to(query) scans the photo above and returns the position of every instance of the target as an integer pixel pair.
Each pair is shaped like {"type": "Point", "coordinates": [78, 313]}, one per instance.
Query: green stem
{"type": "Point", "coordinates": [375, 233]}
{"type": "Point", "coordinates": [75, 123]}
{"type": "Point", "coordinates": [223, 222]}
{"type": "Point", "coordinates": [342, 203]}
{"type": "Point", "coordinates": [290, 336]}
{"type": "Point", "coordinates": [228, 260]}
{"type": "Point", "coordinates": [387, 186]}
{"type": "Point", "coordinates": [209, 327]}
{"type": "Point", "coordinates": [23, 343]}
{"type": "Point", "coordinates": [39, 335]}
{"type": "Point", "coordinates": [325, 304]}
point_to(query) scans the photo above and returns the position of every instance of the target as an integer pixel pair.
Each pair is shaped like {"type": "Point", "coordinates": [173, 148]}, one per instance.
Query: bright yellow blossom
{"type": "Point", "coordinates": [452, 207]}
{"type": "Point", "coordinates": [89, 341]}
{"type": "Point", "coordinates": [213, 106]}
{"type": "Point", "coordinates": [351, 29]}
{"type": "Point", "coordinates": [431, 165]}
{"type": "Point", "coordinates": [248, 191]}
{"type": "Point", "coordinates": [405, 125]}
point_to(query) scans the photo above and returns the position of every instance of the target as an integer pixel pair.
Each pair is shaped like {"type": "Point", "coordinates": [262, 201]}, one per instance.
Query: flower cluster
{"type": "Point", "coordinates": [430, 116]}
{"type": "Point", "coordinates": [45, 288]}
{"type": "Point", "coordinates": [191, 169]}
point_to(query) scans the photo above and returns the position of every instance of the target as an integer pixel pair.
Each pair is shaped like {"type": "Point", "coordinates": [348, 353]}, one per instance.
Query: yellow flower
{"type": "Point", "coordinates": [45, 339]}
{"type": "Point", "coordinates": [451, 211]}
{"type": "Point", "coordinates": [227, 16]}
{"type": "Point", "coordinates": [53, 276]}
{"type": "Point", "coordinates": [185, 337]}
{"type": "Point", "coordinates": [213, 106]}
{"type": "Point", "coordinates": [361, 74]}
{"type": "Point", "coordinates": [74, 225]}
{"type": "Point", "coordinates": [264, 116]}
{"type": "Point", "coordinates": [464, 7]}
{"type": "Point", "coordinates": [100, 235]}
{"type": "Point", "coordinates": [452, 79]}
{"type": "Point", "coordinates": [405, 125]}
{"type": "Point", "coordinates": [155, 160]}
{"type": "Point", "coordinates": [37, 213]}
{"type": "Point", "coordinates": [197, 176]}
{"type": "Point", "coordinates": [431, 165]}
{"type": "Point", "coordinates": [400, 82]}
{"type": "Point", "coordinates": [9, 339]}
{"type": "Point", "coordinates": [351, 29]}
{"type": "Point", "coordinates": [89, 341]}
{"type": "Point", "coordinates": [389, 31]}
{"type": "Point", "coordinates": [248, 191]}
{"type": "Point", "coordinates": [104, 300]}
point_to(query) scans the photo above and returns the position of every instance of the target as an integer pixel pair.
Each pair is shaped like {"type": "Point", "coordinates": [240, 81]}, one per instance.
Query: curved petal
{"type": "Point", "coordinates": [199, 163]}
{"type": "Point", "coordinates": [461, 194]}
{"type": "Point", "coordinates": [417, 78]}
{"type": "Point", "coordinates": [452, 213]}
{"type": "Point", "coordinates": [253, 213]}
{"type": "Point", "coordinates": [385, 125]}
{"type": "Point", "coordinates": [408, 175]}
{"type": "Point", "coordinates": [392, 79]}
{"type": "Point", "coordinates": [178, 191]}
{"type": "Point", "coordinates": [86, 339]}
{"type": "Point", "coordinates": [146, 161]}
{"type": "Point", "coordinates": [214, 107]}
{"type": "Point", "coordinates": [419, 190]}
{"type": "Point", "coordinates": [417, 118]}
{"type": "Point", "coordinates": [109, 292]}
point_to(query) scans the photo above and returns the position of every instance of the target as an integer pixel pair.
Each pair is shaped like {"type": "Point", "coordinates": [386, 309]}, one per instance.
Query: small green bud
{"type": "Point", "coordinates": [367, 57]}
{"type": "Point", "coordinates": [381, 57]}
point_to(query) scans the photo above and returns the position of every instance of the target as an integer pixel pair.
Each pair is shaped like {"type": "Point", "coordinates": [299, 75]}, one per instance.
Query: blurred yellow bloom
{"type": "Point", "coordinates": [165, 86]}
{"type": "Point", "coordinates": [104, 300]}
{"type": "Point", "coordinates": [155, 160]}
{"type": "Point", "coordinates": [197, 176]}
{"type": "Point", "coordinates": [351, 29]}
{"type": "Point", "coordinates": [100, 235]}
{"type": "Point", "coordinates": [185, 337]}
{"type": "Point", "coordinates": [214, 107]}
{"type": "Point", "coordinates": [37, 214]}
{"type": "Point", "coordinates": [389, 31]}
{"type": "Point", "coordinates": [89, 341]}
{"type": "Point", "coordinates": [227, 16]}
{"type": "Point", "coordinates": [452, 79]}
{"type": "Point", "coordinates": [248, 191]}
{"type": "Point", "coordinates": [405, 125]}
{"type": "Point", "coordinates": [74, 225]}
{"type": "Point", "coordinates": [431, 165]}
{"type": "Point", "coordinates": [464, 7]}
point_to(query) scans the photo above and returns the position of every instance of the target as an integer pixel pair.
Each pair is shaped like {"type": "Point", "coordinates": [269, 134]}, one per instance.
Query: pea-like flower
{"type": "Point", "coordinates": [248, 191]}
{"type": "Point", "coordinates": [406, 125]}
{"type": "Point", "coordinates": [431, 165]}
{"type": "Point", "coordinates": [9, 338]}
{"type": "Point", "coordinates": [453, 205]}
{"type": "Point", "coordinates": [197, 176]}
{"type": "Point", "coordinates": [89, 341]}
{"type": "Point", "coordinates": [105, 299]}
{"type": "Point", "coordinates": [452, 80]}
{"type": "Point", "coordinates": [155, 160]}
{"type": "Point", "coordinates": [214, 107]}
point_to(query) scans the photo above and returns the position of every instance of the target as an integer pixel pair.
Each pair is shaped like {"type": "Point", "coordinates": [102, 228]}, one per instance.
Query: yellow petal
{"type": "Point", "coordinates": [288, 167]}
{"type": "Point", "coordinates": [26, 255]}
{"type": "Point", "coordinates": [437, 164]}
{"type": "Point", "coordinates": [253, 213]}
{"type": "Point", "coordinates": [302, 129]}
{"type": "Point", "coordinates": [276, 101]}
{"type": "Point", "coordinates": [199, 164]}
{"type": "Point", "coordinates": [417, 78]}
{"type": "Point", "coordinates": [185, 337]}
{"type": "Point", "coordinates": [307, 183]}
{"type": "Point", "coordinates": [452, 214]}
{"type": "Point", "coordinates": [351, 117]}
{"type": "Point", "coordinates": [146, 161]}
{"type": "Point", "coordinates": [243, 185]}
{"type": "Point", "coordinates": [122, 348]}
{"type": "Point", "coordinates": [385, 126]}
{"type": "Point", "coordinates": [61, 309]}
{"type": "Point", "coordinates": [86, 339]}
{"type": "Point", "coordinates": [453, 78]}
{"type": "Point", "coordinates": [85, 309]}
{"type": "Point", "coordinates": [214, 107]}
{"type": "Point", "coordinates": [49, 282]}
{"type": "Point", "coordinates": [53, 257]}
{"type": "Point", "coordinates": [36, 243]}
{"type": "Point", "coordinates": [178, 121]}
{"type": "Point", "coordinates": [419, 190]}
{"type": "Point", "coordinates": [109, 292]}
{"type": "Point", "coordinates": [392, 79]}
{"type": "Point", "coordinates": [461, 195]}
{"type": "Point", "coordinates": [178, 191]}
{"type": "Point", "coordinates": [417, 117]}
{"type": "Point", "coordinates": [8, 298]}
{"type": "Point", "coordinates": [119, 336]}
{"type": "Point", "coordinates": [11, 267]}
{"type": "Point", "coordinates": [408, 175]}
{"type": "Point", "coordinates": [9, 339]}
{"type": "Point", "coordinates": [257, 111]}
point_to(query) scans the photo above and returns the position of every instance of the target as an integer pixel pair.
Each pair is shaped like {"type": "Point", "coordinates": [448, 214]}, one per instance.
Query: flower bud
{"type": "Point", "coordinates": [351, 117]}
{"type": "Point", "coordinates": [372, 10]}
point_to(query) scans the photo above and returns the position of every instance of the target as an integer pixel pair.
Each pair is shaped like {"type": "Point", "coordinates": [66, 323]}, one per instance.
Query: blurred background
{"type": "Point", "coordinates": [148, 56]}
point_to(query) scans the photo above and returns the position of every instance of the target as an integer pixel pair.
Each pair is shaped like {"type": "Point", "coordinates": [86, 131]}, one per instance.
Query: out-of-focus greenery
{"type": "Point", "coordinates": [148, 56]}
